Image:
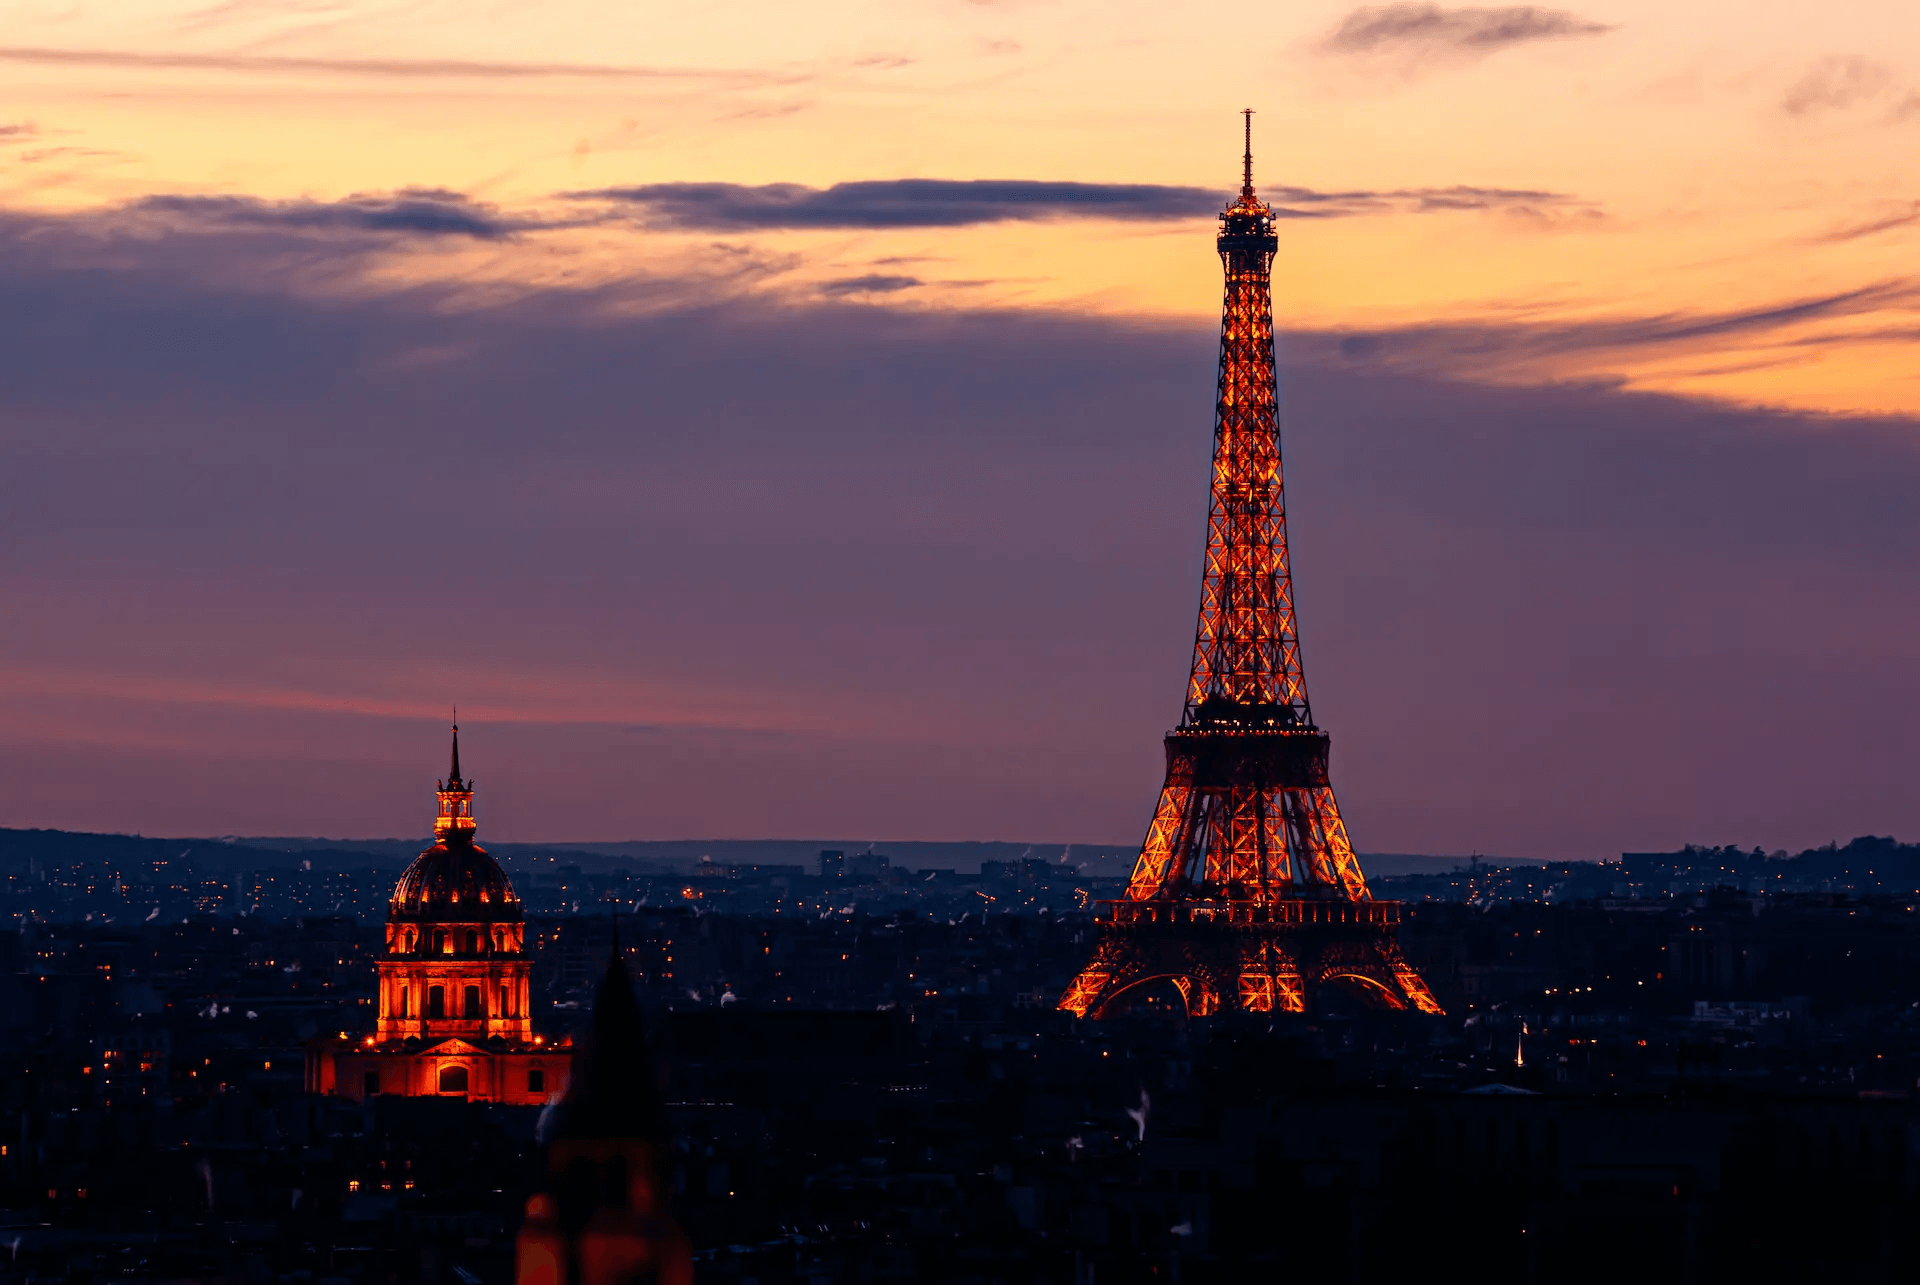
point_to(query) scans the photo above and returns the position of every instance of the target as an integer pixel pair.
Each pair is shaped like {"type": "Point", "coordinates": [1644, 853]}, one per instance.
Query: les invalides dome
{"type": "Point", "coordinates": [454, 990]}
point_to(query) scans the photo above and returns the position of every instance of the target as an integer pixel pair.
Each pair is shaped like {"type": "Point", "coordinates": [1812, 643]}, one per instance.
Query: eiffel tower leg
{"type": "Point", "coordinates": [1201, 999]}
{"type": "Point", "coordinates": [1121, 963]}
{"type": "Point", "coordinates": [1412, 986]}
{"type": "Point", "coordinates": [1318, 836]}
{"type": "Point", "coordinates": [1270, 979]}
{"type": "Point", "coordinates": [1332, 832]}
{"type": "Point", "coordinates": [1112, 968]}
{"type": "Point", "coordinates": [1165, 835]}
{"type": "Point", "coordinates": [1374, 969]}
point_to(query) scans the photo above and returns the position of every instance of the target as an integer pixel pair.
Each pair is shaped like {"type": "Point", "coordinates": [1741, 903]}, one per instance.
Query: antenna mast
{"type": "Point", "coordinates": [1246, 162]}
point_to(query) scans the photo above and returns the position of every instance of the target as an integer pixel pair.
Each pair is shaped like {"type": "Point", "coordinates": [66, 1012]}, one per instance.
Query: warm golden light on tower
{"type": "Point", "coordinates": [1246, 893]}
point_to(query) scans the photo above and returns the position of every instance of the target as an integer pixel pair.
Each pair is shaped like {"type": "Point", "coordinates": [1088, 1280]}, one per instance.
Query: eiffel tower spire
{"type": "Point", "coordinates": [1247, 892]}
{"type": "Point", "coordinates": [1246, 161]}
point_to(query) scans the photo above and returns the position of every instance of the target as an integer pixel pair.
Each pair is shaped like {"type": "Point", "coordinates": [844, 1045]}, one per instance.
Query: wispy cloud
{"type": "Point", "coordinates": [1601, 348]}
{"type": "Point", "coordinates": [1896, 218]}
{"type": "Point", "coordinates": [273, 64]}
{"type": "Point", "coordinates": [918, 203]}
{"type": "Point", "coordinates": [871, 283]}
{"type": "Point", "coordinates": [369, 220]}
{"type": "Point", "coordinates": [902, 203]}
{"type": "Point", "coordinates": [420, 211]}
{"type": "Point", "coordinates": [1837, 83]}
{"type": "Point", "coordinates": [1305, 203]}
{"type": "Point", "coordinates": [268, 14]}
{"type": "Point", "coordinates": [1411, 38]}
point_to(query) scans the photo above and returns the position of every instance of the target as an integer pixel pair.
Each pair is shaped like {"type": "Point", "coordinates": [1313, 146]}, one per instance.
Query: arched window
{"type": "Point", "coordinates": [505, 1006]}
{"type": "Point", "coordinates": [436, 1001]}
{"type": "Point", "coordinates": [471, 1003]}
{"type": "Point", "coordinates": [403, 1001]}
{"type": "Point", "coordinates": [440, 946]}
{"type": "Point", "coordinates": [453, 1079]}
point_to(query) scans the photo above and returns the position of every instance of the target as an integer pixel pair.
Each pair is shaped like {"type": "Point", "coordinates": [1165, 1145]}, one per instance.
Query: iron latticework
{"type": "Point", "coordinates": [1247, 893]}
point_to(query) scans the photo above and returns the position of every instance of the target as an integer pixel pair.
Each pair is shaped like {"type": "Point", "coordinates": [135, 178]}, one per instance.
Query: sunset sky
{"type": "Point", "coordinates": [786, 420]}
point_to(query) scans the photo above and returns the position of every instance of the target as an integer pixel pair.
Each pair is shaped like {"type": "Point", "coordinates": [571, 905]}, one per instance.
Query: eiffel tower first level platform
{"type": "Point", "coordinates": [1247, 894]}
{"type": "Point", "coordinates": [1259, 958]}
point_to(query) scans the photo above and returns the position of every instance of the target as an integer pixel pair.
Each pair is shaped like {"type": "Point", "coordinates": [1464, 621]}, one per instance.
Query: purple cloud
{"type": "Point", "coordinates": [928, 203]}
{"type": "Point", "coordinates": [422, 211]}
{"type": "Point", "coordinates": [1429, 31]}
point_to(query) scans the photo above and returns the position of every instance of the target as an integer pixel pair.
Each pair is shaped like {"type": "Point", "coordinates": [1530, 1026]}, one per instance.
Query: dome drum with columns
{"type": "Point", "coordinates": [455, 983]}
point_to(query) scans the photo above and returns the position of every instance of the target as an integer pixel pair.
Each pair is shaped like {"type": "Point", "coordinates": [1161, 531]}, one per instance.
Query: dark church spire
{"type": "Point", "coordinates": [611, 1093]}
{"type": "Point", "coordinates": [604, 1218]}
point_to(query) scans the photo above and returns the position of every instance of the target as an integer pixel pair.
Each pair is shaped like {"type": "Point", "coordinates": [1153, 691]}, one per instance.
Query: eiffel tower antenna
{"type": "Point", "coordinates": [1246, 161]}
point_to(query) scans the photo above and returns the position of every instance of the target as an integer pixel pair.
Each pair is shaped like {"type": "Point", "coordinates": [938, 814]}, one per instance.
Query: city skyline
{"type": "Point", "coordinates": [827, 419]}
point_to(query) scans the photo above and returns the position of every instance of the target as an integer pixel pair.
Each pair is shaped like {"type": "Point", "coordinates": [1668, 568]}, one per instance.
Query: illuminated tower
{"type": "Point", "coordinates": [453, 1003]}
{"type": "Point", "coordinates": [1246, 893]}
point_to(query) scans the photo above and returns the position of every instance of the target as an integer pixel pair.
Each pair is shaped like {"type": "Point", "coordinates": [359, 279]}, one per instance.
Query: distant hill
{"type": "Point", "coordinates": [684, 854]}
{"type": "Point", "coordinates": [20, 850]}
{"type": "Point", "coordinates": [232, 853]}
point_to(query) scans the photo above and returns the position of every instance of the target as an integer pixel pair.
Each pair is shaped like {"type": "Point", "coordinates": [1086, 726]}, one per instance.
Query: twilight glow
{"type": "Point", "coordinates": [783, 420]}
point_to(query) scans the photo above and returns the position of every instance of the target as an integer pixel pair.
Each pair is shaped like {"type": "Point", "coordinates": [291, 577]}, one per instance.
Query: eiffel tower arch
{"type": "Point", "coordinates": [1247, 895]}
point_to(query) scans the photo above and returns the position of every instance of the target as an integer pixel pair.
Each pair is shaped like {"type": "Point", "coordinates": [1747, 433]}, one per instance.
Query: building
{"type": "Point", "coordinates": [1247, 894]}
{"type": "Point", "coordinates": [454, 997]}
{"type": "Point", "coordinates": [603, 1218]}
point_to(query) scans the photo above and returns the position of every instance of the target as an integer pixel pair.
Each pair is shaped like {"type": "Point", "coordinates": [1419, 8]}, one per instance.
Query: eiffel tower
{"type": "Point", "coordinates": [1246, 894]}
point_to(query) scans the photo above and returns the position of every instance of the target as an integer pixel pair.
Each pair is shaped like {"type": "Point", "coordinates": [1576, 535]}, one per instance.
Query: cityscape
{"type": "Point", "coordinates": [1670, 1047]}
{"type": "Point", "coordinates": [638, 380]}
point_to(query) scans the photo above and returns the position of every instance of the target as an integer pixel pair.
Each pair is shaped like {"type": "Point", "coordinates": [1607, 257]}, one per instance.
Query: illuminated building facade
{"type": "Point", "coordinates": [1246, 894]}
{"type": "Point", "coordinates": [455, 986]}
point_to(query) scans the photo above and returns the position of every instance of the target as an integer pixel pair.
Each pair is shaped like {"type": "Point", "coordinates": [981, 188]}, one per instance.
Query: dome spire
{"type": "Point", "coordinates": [453, 776]}
{"type": "Point", "coordinates": [454, 822]}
